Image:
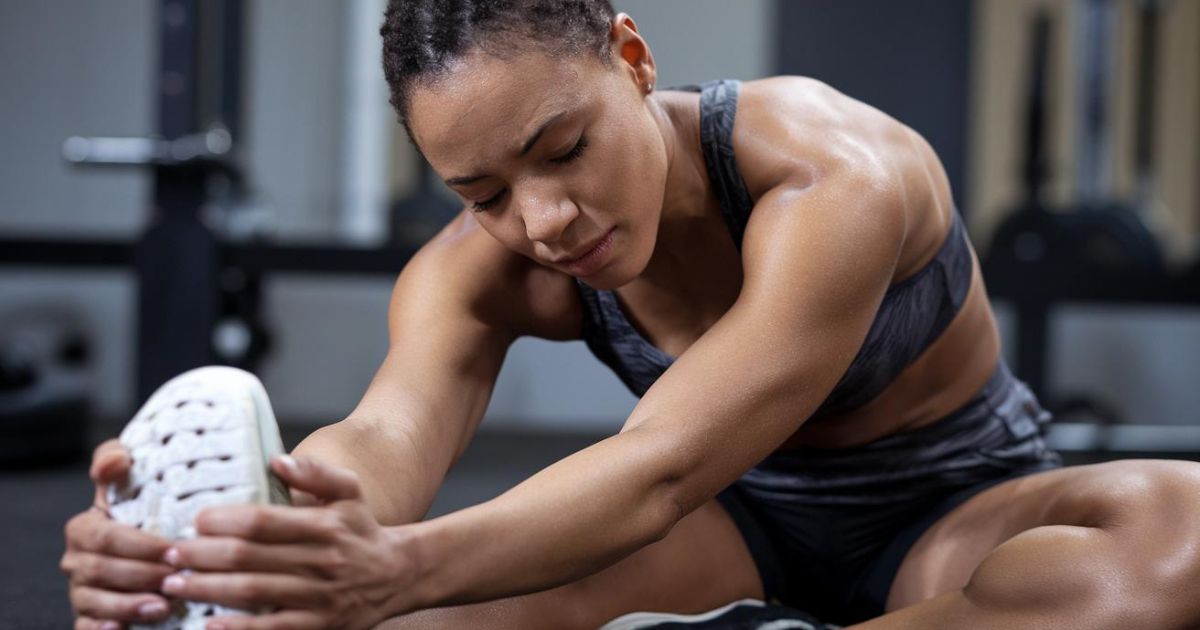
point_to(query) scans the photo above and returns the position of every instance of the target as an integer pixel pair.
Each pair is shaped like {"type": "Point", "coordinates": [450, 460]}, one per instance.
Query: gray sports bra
{"type": "Point", "coordinates": [912, 315]}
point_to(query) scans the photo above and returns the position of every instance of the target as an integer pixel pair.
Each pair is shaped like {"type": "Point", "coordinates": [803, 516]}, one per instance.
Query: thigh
{"type": "Point", "coordinates": [702, 564]}
{"type": "Point", "coordinates": [1119, 494]}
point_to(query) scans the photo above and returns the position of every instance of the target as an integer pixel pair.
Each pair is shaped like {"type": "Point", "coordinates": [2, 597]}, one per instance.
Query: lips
{"type": "Point", "coordinates": [566, 260]}
{"type": "Point", "coordinates": [592, 259]}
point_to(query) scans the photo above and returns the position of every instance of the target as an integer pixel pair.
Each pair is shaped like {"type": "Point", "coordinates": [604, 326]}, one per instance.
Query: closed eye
{"type": "Point", "coordinates": [480, 206]}
{"type": "Point", "coordinates": [568, 157]}
{"type": "Point", "coordinates": [574, 153]}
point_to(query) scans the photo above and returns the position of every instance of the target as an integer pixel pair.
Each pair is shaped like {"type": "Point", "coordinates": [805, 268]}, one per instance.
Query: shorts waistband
{"type": "Point", "coordinates": [1003, 416]}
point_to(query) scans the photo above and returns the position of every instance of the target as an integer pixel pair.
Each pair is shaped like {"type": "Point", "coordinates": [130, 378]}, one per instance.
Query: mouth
{"type": "Point", "coordinates": [592, 259]}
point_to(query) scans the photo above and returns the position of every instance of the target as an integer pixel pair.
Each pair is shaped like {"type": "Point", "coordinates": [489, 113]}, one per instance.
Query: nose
{"type": "Point", "coordinates": [546, 218]}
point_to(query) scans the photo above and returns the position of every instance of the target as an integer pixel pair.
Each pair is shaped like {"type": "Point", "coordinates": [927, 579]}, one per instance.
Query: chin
{"type": "Point", "coordinates": [605, 281]}
{"type": "Point", "coordinates": [623, 269]}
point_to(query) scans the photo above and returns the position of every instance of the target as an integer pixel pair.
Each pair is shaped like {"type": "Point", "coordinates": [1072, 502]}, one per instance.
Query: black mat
{"type": "Point", "coordinates": [33, 593]}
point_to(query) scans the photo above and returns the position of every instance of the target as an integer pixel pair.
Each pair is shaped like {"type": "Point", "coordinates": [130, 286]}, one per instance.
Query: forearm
{"type": "Point", "coordinates": [398, 478]}
{"type": "Point", "coordinates": [574, 518]}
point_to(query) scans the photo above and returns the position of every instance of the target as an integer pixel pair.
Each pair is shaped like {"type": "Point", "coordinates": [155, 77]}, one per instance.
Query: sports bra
{"type": "Point", "coordinates": [913, 313]}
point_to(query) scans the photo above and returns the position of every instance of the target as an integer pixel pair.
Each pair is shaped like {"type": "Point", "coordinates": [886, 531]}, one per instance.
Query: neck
{"type": "Point", "coordinates": [689, 210]}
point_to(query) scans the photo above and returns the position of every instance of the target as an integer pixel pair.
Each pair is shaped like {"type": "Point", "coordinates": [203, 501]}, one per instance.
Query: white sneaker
{"type": "Point", "coordinates": [745, 614]}
{"type": "Point", "coordinates": [204, 438]}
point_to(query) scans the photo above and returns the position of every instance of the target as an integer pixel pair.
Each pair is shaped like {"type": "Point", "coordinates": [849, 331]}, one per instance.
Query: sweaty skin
{"type": "Point", "coordinates": [848, 202]}
{"type": "Point", "coordinates": [793, 137]}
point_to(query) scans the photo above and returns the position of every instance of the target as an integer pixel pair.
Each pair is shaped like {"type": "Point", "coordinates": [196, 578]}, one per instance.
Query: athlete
{"type": "Point", "coordinates": [780, 273]}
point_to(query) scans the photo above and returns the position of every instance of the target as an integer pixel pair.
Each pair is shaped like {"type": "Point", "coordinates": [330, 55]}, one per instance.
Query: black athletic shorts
{"type": "Point", "coordinates": [829, 528]}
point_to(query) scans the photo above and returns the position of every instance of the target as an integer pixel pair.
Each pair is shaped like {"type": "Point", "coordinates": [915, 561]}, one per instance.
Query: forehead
{"type": "Point", "coordinates": [486, 105]}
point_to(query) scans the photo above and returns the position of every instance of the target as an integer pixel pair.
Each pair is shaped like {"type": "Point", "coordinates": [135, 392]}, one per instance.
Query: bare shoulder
{"type": "Point", "coordinates": [465, 269]}
{"type": "Point", "coordinates": [869, 170]}
{"type": "Point", "coordinates": [793, 129]}
{"type": "Point", "coordinates": [828, 178]}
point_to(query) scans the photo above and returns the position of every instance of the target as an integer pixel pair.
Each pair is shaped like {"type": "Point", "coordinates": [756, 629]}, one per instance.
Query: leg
{"type": "Point", "coordinates": [1113, 545]}
{"type": "Point", "coordinates": [702, 564]}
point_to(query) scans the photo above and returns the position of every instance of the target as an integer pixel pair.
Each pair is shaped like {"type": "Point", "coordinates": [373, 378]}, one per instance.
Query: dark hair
{"type": "Point", "coordinates": [421, 38]}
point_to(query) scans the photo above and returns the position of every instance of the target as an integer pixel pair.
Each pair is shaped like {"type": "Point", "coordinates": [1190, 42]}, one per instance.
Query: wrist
{"type": "Point", "coordinates": [415, 574]}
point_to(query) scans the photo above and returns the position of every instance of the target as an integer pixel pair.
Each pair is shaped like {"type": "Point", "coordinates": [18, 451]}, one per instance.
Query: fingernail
{"type": "Point", "coordinates": [172, 584]}
{"type": "Point", "coordinates": [110, 625]}
{"type": "Point", "coordinates": [287, 461]}
{"type": "Point", "coordinates": [152, 609]}
{"type": "Point", "coordinates": [172, 556]}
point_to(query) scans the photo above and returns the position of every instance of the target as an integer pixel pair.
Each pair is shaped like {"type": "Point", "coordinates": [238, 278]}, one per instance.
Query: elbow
{"type": "Point", "coordinates": [672, 482]}
{"type": "Point", "coordinates": [668, 506]}
{"type": "Point", "coordinates": [669, 516]}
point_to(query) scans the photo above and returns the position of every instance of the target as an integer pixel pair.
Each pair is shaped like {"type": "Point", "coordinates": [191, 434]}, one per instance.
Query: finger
{"type": "Point", "coordinates": [247, 590]}
{"type": "Point", "coordinates": [110, 462]}
{"type": "Point", "coordinates": [290, 619]}
{"type": "Point", "coordinates": [91, 531]}
{"type": "Point", "coordinates": [235, 555]}
{"type": "Point", "coordinates": [268, 523]}
{"type": "Point", "coordinates": [325, 481]}
{"type": "Point", "coordinates": [100, 604]}
{"type": "Point", "coordinates": [87, 623]}
{"type": "Point", "coordinates": [132, 576]}
{"type": "Point", "coordinates": [301, 498]}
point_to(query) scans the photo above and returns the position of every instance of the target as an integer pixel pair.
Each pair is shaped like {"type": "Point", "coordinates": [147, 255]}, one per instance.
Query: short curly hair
{"type": "Point", "coordinates": [422, 38]}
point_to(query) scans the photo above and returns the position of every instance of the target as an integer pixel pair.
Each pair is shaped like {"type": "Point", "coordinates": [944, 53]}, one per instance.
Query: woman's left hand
{"type": "Point", "coordinates": [328, 564]}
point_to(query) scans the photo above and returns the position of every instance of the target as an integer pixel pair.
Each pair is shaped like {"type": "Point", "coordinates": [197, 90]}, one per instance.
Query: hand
{"type": "Point", "coordinates": [328, 565]}
{"type": "Point", "coordinates": [114, 569]}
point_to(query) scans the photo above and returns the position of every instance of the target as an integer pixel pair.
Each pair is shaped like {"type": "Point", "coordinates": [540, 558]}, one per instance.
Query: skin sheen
{"type": "Point", "coordinates": [848, 202]}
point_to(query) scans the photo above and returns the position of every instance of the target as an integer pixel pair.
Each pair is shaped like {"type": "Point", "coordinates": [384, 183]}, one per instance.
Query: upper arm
{"type": "Point", "coordinates": [818, 259]}
{"type": "Point", "coordinates": [455, 309]}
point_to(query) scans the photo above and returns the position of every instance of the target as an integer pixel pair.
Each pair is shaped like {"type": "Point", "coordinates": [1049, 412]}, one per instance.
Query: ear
{"type": "Point", "coordinates": [633, 52]}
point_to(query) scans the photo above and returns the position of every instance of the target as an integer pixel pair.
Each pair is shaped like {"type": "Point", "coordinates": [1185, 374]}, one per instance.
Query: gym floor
{"type": "Point", "coordinates": [33, 593]}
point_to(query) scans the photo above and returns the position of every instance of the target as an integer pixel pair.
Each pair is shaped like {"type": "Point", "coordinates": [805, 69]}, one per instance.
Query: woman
{"type": "Point", "coordinates": [779, 271]}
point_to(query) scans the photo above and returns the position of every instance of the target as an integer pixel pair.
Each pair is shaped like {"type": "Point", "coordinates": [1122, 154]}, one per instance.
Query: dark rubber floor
{"type": "Point", "coordinates": [38, 502]}
{"type": "Point", "coordinates": [33, 592]}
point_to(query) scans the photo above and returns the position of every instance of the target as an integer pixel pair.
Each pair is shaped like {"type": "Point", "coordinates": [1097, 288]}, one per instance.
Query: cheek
{"type": "Point", "coordinates": [507, 231]}
{"type": "Point", "coordinates": [638, 173]}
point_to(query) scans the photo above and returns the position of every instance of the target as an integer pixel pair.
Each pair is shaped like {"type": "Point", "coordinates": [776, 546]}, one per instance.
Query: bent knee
{"type": "Point", "coordinates": [1118, 495]}
{"type": "Point", "coordinates": [1131, 527]}
{"type": "Point", "coordinates": [1072, 575]}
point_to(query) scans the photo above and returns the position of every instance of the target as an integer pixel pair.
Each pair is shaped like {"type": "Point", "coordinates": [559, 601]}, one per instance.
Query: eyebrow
{"type": "Point", "coordinates": [525, 148]}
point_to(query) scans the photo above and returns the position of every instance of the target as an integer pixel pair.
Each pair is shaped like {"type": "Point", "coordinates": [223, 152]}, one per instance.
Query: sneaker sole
{"type": "Point", "coordinates": [649, 620]}
{"type": "Point", "coordinates": [203, 439]}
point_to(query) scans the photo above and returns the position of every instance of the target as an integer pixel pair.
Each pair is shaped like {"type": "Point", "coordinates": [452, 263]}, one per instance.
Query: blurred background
{"type": "Point", "coordinates": [190, 182]}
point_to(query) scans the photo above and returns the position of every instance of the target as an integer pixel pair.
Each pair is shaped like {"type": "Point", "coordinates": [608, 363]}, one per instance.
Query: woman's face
{"type": "Point", "coordinates": [559, 159]}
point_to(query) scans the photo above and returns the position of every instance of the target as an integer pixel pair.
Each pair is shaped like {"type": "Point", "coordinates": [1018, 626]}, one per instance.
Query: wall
{"type": "Point", "coordinates": [92, 75]}
{"type": "Point", "coordinates": [1140, 360]}
{"type": "Point", "coordinates": [72, 67]}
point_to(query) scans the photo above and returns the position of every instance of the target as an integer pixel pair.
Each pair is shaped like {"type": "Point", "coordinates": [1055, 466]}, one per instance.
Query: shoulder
{"type": "Point", "coordinates": [799, 139]}
{"type": "Point", "coordinates": [829, 176]}
{"type": "Point", "coordinates": [464, 268]}
{"type": "Point", "coordinates": [820, 157]}
{"type": "Point", "coordinates": [794, 130]}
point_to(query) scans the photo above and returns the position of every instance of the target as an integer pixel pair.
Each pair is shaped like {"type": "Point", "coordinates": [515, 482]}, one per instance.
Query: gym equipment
{"type": "Point", "coordinates": [45, 406]}
{"type": "Point", "coordinates": [199, 279]}
{"type": "Point", "coordinates": [1098, 250]}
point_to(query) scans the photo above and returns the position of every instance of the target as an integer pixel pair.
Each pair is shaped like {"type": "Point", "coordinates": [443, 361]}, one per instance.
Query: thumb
{"type": "Point", "coordinates": [325, 482]}
{"type": "Point", "coordinates": [110, 464]}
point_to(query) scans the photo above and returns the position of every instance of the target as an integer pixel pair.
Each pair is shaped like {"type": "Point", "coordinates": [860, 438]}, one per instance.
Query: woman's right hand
{"type": "Point", "coordinates": [115, 570]}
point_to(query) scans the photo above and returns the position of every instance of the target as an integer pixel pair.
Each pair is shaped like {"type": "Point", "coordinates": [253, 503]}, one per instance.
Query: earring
{"type": "Point", "coordinates": [649, 88]}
